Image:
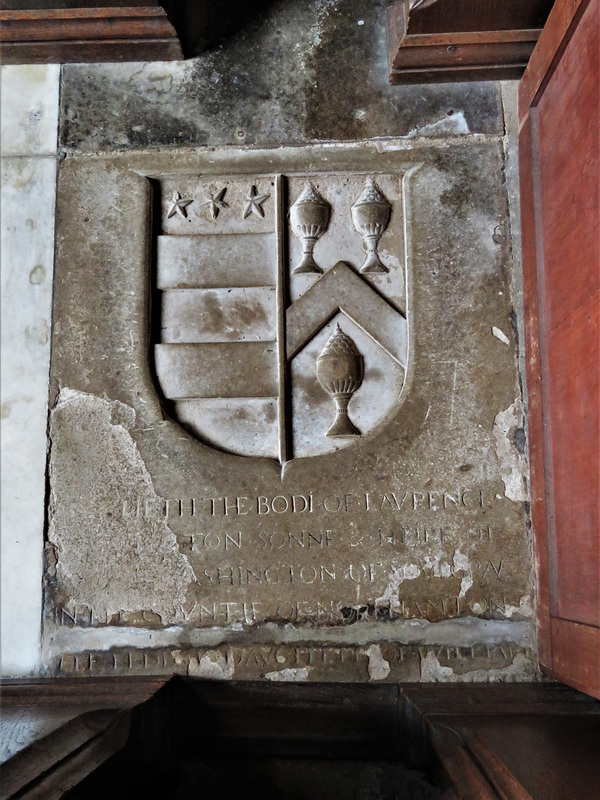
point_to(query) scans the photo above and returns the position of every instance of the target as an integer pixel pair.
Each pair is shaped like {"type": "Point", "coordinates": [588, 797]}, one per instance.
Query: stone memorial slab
{"type": "Point", "coordinates": [281, 415]}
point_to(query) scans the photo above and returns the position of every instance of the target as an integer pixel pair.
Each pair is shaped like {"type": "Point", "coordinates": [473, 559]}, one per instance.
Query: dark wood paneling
{"type": "Point", "coordinates": [26, 5]}
{"type": "Point", "coordinates": [462, 40]}
{"type": "Point", "coordinates": [46, 755]}
{"type": "Point", "coordinates": [479, 15]}
{"type": "Point", "coordinates": [457, 768]}
{"type": "Point", "coordinates": [87, 34]}
{"type": "Point", "coordinates": [494, 769]}
{"type": "Point", "coordinates": [84, 693]}
{"type": "Point", "coordinates": [327, 720]}
{"type": "Point", "coordinates": [479, 740]}
{"type": "Point", "coordinates": [547, 758]}
{"type": "Point", "coordinates": [515, 742]}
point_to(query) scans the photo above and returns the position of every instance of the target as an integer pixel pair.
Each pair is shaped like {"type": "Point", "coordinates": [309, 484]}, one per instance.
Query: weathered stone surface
{"type": "Point", "coordinates": [420, 521]}
{"type": "Point", "coordinates": [109, 562]}
{"type": "Point", "coordinates": [382, 662]}
{"type": "Point", "coordinates": [300, 72]}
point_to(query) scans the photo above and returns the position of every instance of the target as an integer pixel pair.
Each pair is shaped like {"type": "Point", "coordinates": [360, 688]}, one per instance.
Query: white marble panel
{"type": "Point", "coordinates": [29, 97]}
{"type": "Point", "coordinates": [27, 244]}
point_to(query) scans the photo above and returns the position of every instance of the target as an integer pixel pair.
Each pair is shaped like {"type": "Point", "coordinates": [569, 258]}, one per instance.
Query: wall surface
{"type": "Point", "coordinates": [420, 567]}
{"type": "Point", "coordinates": [29, 96]}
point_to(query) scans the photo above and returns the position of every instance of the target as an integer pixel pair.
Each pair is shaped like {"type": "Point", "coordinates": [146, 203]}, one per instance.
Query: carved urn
{"type": "Point", "coordinates": [309, 217]}
{"type": "Point", "coordinates": [340, 371]}
{"type": "Point", "coordinates": [371, 215]}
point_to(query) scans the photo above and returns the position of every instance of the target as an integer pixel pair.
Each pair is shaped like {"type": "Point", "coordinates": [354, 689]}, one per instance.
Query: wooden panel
{"type": "Point", "coordinates": [24, 5]}
{"type": "Point", "coordinates": [552, 43]}
{"type": "Point", "coordinates": [494, 769]}
{"type": "Point", "coordinates": [463, 40]}
{"type": "Point", "coordinates": [70, 771]}
{"type": "Point", "coordinates": [83, 692]}
{"type": "Point", "coordinates": [479, 15]}
{"type": "Point", "coordinates": [560, 153]}
{"type": "Point", "coordinates": [576, 655]}
{"type": "Point", "coordinates": [87, 34]}
{"type": "Point", "coordinates": [496, 699]}
{"type": "Point", "coordinates": [542, 757]}
{"type": "Point", "coordinates": [483, 739]}
{"type": "Point", "coordinates": [573, 390]}
{"type": "Point", "coordinates": [297, 720]}
{"type": "Point", "coordinates": [538, 741]}
{"type": "Point", "coordinates": [568, 127]}
{"type": "Point", "coordinates": [458, 769]}
{"type": "Point", "coordinates": [44, 754]}
{"type": "Point", "coordinates": [81, 24]}
{"type": "Point", "coordinates": [568, 154]}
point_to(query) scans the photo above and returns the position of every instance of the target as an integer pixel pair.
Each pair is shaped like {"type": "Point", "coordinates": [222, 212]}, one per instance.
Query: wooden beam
{"type": "Point", "coordinates": [76, 35]}
{"type": "Point", "coordinates": [434, 42]}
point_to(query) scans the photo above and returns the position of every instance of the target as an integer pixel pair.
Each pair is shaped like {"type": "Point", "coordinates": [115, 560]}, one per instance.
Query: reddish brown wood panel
{"type": "Point", "coordinates": [576, 655]}
{"type": "Point", "coordinates": [560, 161]}
{"type": "Point", "coordinates": [87, 34]}
{"type": "Point", "coordinates": [555, 37]}
{"type": "Point", "coordinates": [568, 152]}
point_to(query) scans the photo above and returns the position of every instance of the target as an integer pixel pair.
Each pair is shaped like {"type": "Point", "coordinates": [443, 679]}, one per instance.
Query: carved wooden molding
{"type": "Point", "coordinates": [433, 41]}
{"type": "Point", "coordinates": [44, 36]}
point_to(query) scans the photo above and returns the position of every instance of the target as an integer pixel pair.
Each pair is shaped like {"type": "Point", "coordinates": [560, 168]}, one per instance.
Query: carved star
{"type": "Point", "coordinates": [215, 203]}
{"type": "Point", "coordinates": [178, 206]}
{"type": "Point", "coordinates": [254, 203]}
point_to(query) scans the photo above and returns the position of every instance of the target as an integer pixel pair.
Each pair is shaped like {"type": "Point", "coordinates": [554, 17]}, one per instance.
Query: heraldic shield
{"type": "Point", "coordinates": [281, 313]}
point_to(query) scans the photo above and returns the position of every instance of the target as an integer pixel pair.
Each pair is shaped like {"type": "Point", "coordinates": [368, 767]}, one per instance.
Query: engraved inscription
{"type": "Point", "coordinates": [293, 413]}
{"type": "Point", "coordinates": [322, 662]}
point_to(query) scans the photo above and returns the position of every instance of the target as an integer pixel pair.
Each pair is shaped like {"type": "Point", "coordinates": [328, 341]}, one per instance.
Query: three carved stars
{"type": "Point", "coordinates": [254, 203]}
{"type": "Point", "coordinates": [215, 203]}
{"type": "Point", "coordinates": [178, 206]}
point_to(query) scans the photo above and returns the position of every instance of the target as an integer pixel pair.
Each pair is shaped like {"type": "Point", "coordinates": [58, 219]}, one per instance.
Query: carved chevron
{"type": "Point", "coordinates": [341, 289]}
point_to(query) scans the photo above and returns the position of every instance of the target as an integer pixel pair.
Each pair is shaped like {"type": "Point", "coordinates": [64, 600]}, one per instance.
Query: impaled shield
{"type": "Point", "coordinates": [281, 316]}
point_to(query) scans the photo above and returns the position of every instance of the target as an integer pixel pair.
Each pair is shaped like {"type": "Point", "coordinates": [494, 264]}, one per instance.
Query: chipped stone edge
{"type": "Point", "coordinates": [509, 99]}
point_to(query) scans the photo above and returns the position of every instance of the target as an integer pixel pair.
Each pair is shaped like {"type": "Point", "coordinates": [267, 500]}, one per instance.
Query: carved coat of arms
{"type": "Point", "coordinates": [281, 308]}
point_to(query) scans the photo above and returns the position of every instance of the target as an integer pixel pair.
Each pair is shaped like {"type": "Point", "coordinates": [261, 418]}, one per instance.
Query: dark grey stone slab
{"type": "Point", "coordinates": [299, 72]}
